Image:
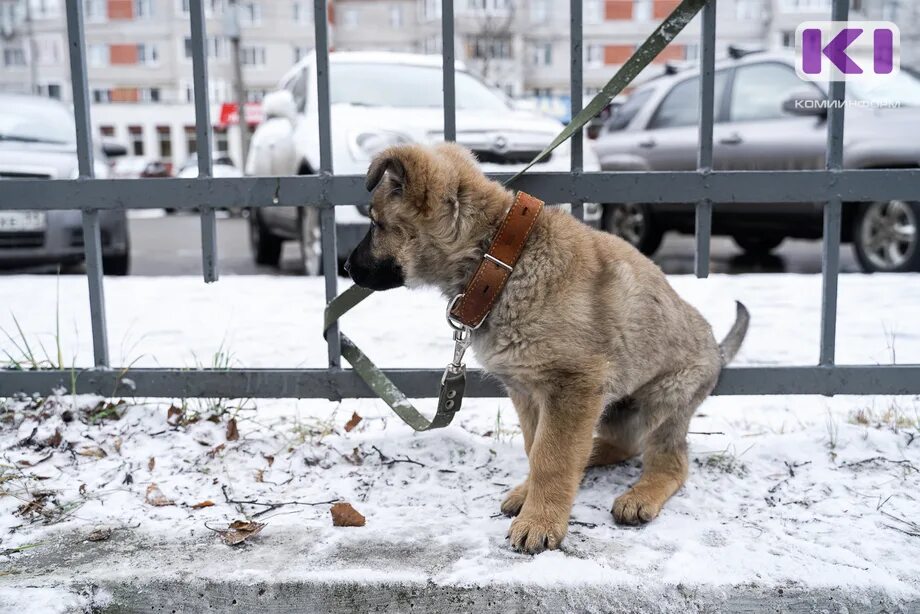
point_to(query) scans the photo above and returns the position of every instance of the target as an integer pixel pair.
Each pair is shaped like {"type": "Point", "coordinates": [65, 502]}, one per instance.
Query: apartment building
{"type": "Point", "coordinates": [140, 69]}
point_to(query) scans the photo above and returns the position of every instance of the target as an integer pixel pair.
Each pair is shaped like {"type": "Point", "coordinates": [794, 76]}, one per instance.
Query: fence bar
{"type": "Point", "coordinates": [327, 213]}
{"type": "Point", "coordinates": [704, 153]}
{"type": "Point", "coordinates": [203, 136]}
{"type": "Point", "coordinates": [92, 236]}
{"type": "Point", "coordinates": [448, 61]}
{"type": "Point", "coordinates": [422, 383]}
{"type": "Point", "coordinates": [677, 187]}
{"type": "Point", "coordinates": [833, 211]}
{"type": "Point", "coordinates": [576, 77]}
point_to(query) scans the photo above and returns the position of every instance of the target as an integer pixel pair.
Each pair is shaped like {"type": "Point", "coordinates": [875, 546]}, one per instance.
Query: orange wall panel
{"type": "Point", "coordinates": [663, 8]}
{"type": "Point", "coordinates": [120, 55]}
{"type": "Point", "coordinates": [618, 9]}
{"type": "Point", "coordinates": [671, 52]}
{"type": "Point", "coordinates": [617, 54]}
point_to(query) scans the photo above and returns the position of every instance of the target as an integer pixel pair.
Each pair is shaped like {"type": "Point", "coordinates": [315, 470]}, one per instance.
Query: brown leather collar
{"type": "Point", "coordinates": [472, 307]}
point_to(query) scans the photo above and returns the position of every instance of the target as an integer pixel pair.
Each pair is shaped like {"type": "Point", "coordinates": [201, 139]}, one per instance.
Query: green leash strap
{"type": "Point", "coordinates": [453, 383]}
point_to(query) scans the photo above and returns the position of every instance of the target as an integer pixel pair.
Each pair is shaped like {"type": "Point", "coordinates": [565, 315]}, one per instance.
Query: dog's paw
{"type": "Point", "coordinates": [533, 534]}
{"type": "Point", "coordinates": [513, 503]}
{"type": "Point", "coordinates": [635, 507]}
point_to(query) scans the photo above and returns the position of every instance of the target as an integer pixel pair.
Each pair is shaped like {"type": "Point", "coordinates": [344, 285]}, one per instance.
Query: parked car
{"type": "Point", "coordinates": [380, 99]}
{"type": "Point", "coordinates": [767, 118]}
{"type": "Point", "coordinates": [37, 141]}
{"type": "Point", "coordinates": [156, 169]}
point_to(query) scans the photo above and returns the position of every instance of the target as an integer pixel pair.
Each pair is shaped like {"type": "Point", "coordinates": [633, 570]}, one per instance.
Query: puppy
{"type": "Point", "coordinates": [601, 358]}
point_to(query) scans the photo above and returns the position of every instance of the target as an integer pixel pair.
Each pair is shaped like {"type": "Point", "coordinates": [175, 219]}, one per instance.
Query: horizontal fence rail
{"type": "Point", "coordinates": [831, 189]}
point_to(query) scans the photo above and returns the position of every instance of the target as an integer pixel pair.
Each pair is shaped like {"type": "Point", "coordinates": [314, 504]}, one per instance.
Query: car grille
{"type": "Point", "coordinates": [76, 237]}
{"type": "Point", "coordinates": [17, 240]}
{"type": "Point", "coordinates": [489, 156]}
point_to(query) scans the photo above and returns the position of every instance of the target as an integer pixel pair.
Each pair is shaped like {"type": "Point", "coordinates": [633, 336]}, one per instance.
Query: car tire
{"type": "Point", "coordinates": [886, 237]}
{"type": "Point", "coordinates": [266, 246]}
{"type": "Point", "coordinates": [758, 246]}
{"type": "Point", "coordinates": [634, 224]}
{"type": "Point", "coordinates": [311, 246]}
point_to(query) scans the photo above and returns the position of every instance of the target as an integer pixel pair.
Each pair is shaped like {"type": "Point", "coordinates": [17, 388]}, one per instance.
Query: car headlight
{"type": "Point", "coordinates": [365, 145]}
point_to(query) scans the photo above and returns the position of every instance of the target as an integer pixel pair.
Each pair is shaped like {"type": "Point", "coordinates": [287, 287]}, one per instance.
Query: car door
{"type": "Point", "coordinates": [758, 134]}
{"type": "Point", "coordinates": [670, 140]}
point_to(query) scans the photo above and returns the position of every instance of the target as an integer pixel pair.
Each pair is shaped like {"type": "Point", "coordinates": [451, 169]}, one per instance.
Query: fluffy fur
{"type": "Point", "coordinates": [601, 358]}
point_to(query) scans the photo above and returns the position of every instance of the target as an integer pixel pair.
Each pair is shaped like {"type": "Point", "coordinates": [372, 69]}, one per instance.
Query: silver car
{"type": "Point", "coordinates": [766, 118]}
{"type": "Point", "coordinates": [38, 141]}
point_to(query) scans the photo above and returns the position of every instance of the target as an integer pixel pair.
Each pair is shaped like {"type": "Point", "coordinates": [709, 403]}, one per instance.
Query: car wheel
{"type": "Point", "coordinates": [117, 264]}
{"type": "Point", "coordinates": [885, 237]}
{"type": "Point", "coordinates": [266, 247]}
{"type": "Point", "coordinates": [311, 247]}
{"type": "Point", "coordinates": [634, 224]}
{"type": "Point", "coordinates": [758, 246]}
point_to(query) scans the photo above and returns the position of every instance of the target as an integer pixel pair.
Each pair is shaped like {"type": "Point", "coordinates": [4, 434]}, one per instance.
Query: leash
{"type": "Point", "coordinates": [453, 382]}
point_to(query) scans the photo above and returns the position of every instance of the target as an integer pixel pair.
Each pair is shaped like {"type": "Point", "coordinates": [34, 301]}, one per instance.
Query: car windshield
{"type": "Point", "coordinates": [35, 123]}
{"type": "Point", "coordinates": [902, 89]}
{"type": "Point", "coordinates": [405, 86]}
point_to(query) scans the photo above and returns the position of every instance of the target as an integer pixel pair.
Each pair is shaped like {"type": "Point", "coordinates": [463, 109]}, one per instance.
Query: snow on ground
{"type": "Point", "coordinates": [783, 491]}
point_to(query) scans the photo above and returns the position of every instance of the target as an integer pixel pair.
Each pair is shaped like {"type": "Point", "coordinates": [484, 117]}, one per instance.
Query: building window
{"type": "Point", "coordinates": [250, 13]}
{"type": "Point", "coordinates": [255, 95]}
{"type": "Point", "coordinates": [431, 10]}
{"type": "Point", "coordinates": [51, 90]}
{"type": "Point", "coordinates": [107, 131]}
{"type": "Point", "coordinates": [541, 54]}
{"type": "Point", "coordinates": [221, 142]}
{"type": "Point", "coordinates": [164, 142]}
{"type": "Point", "coordinates": [97, 54]}
{"type": "Point", "coordinates": [432, 44]}
{"type": "Point", "coordinates": [488, 7]}
{"type": "Point", "coordinates": [593, 11]}
{"type": "Point", "coordinates": [350, 19]}
{"type": "Point", "coordinates": [594, 56]}
{"type": "Point", "coordinates": [102, 95]}
{"type": "Point", "coordinates": [147, 54]}
{"type": "Point", "coordinates": [136, 140]}
{"type": "Point", "coordinates": [746, 10]}
{"type": "Point", "coordinates": [539, 11]}
{"type": "Point", "coordinates": [252, 55]}
{"type": "Point", "coordinates": [303, 12]}
{"type": "Point", "coordinates": [396, 16]}
{"type": "Point", "coordinates": [14, 56]}
{"type": "Point", "coordinates": [143, 9]}
{"type": "Point", "coordinates": [300, 52]}
{"type": "Point", "coordinates": [642, 10]}
{"type": "Point", "coordinates": [216, 47]}
{"type": "Point", "coordinates": [150, 94]}
{"type": "Point", "coordinates": [489, 47]}
{"type": "Point", "coordinates": [94, 10]}
{"type": "Point", "coordinates": [691, 51]}
{"type": "Point", "coordinates": [45, 9]}
{"type": "Point", "coordinates": [191, 140]}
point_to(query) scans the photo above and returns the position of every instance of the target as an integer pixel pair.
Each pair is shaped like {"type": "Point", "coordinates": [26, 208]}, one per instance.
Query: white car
{"type": "Point", "coordinates": [380, 99]}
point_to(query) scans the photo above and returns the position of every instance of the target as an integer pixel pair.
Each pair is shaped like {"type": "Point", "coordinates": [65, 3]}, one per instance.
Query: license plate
{"type": "Point", "coordinates": [22, 221]}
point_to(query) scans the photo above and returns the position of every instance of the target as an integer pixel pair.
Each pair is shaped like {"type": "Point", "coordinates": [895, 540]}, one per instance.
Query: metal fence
{"type": "Point", "coordinates": [834, 186]}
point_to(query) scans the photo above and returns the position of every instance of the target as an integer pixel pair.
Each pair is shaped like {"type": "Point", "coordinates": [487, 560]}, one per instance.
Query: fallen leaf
{"type": "Point", "coordinates": [269, 458]}
{"type": "Point", "coordinates": [239, 531]}
{"type": "Point", "coordinates": [206, 503]}
{"type": "Point", "coordinates": [233, 433]}
{"type": "Point", "coordinates": [344, 515]}
{"type": "Point", "coordinates": [260, 475]}
{"type": "Point", "coordinates": [216, 450]}
{"type": "Point", "coordinates": [82, 490]}
{"type": "Point", "coordinates": [93, 451]}
{"type": "Point", "coordinates": [351, 424]}
{"type": "Point", "coordinates": [174, 415]}
{"type": "Point", "coordinates": [156, 497]}
{"type": "Point", "coordinates": [55, 440]}
{"type": "Point", "coordinates": [151, 463]}
{"type": "Point", "coordinates": [99, 535]}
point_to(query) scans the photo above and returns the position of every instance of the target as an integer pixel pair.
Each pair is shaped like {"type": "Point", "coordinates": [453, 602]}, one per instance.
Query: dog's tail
{"type": "Point", "coordinates": [735, 337]}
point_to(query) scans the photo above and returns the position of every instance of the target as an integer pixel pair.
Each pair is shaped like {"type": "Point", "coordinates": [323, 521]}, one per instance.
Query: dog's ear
{"type": "Point", "coordinates": [380, 165]}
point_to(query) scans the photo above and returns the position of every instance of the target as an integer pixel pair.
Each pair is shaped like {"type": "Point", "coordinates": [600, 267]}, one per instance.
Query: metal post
{"type": "Point", "coordinates": [833, 211]}
{"type": "Point", "coordinates": [92, 238]}
{"type": "Point", "coordinates": [576, 90]}
{"type": "Point", "coordinates": [704, 153]}
{"type": "Point", "coordinates": [327, 213]}
{"type": "Point", "coordinates": [203, 136]}
{"type": "Point", "coordinates": [447, 61]}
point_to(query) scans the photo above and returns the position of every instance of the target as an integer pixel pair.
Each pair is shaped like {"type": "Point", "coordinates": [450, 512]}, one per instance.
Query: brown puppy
{"type": "Point", "coordinates": [602, 360]}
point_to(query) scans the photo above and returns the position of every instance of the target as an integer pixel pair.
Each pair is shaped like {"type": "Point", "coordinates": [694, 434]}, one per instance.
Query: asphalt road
{"type": "Point", "coordinates": [172, 246]}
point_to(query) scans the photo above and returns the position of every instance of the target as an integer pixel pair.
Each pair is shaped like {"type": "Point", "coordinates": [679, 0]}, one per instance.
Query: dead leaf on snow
{"type": "Point", "coordinates": [233, 433]}
{"type": "Point", "coordinates": [92, 451]}
{"type": "Point", "coordinates": [344, 515]}
{"type": "Point", "coordinates": [151, 463]}
{"type": "Point", "coordinates": [99, 535]}
{"type": "Point", "coordinates": [216, 450]}
{"type": "Point", "coordinates": [260, 475]}
{"type": "Point", "coordinates": [269, 458]}
{"type": "Point", "coordinates": [351, 424]}
{"type": "Point", "coordinates": [202, 504]}
{"type": "Point", "coordinates": [239, 531]}
{"type": "Point", "coordinates": [55, 439]}
{"type": "Point", "coordinates": [174, 415]}
{"type": "Point", "coordinates": [82, 490]}
{"type": "Point", "coordinates": [156, 497]}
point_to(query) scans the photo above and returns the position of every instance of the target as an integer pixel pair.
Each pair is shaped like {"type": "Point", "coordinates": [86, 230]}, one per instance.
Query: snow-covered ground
{"type": "Point", "coordinates": [783, 491]}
